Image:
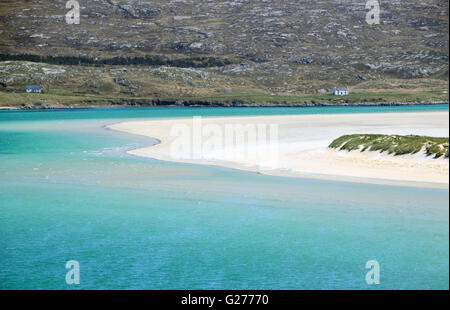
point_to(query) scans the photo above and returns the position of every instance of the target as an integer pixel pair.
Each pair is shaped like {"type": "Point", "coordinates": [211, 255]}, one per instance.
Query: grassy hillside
{"type": "Point", "coordinates": [231, 52]}
{"type": "Point", "coordinates": [393, 144]}
{"type": "Point", "coordinates": [79, 86]}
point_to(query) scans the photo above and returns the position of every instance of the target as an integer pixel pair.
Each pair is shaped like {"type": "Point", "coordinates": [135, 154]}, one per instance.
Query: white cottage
{"type": "Point", "coordinates": [340, 91]}
{"type": "Point", "coordinates": [34, 89]}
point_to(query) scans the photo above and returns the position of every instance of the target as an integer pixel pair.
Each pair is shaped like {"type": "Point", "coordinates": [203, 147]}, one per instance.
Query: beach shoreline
{"type": "Point", "coordinates": [201, 105]}
{"type": "Point", "coordinates": [303, 147]}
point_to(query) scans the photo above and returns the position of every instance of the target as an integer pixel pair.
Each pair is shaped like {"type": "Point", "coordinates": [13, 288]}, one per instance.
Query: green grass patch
{"type": "Point", "coordinates": [393, 144]}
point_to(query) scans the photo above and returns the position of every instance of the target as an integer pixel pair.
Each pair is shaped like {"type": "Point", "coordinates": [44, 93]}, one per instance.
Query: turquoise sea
{"type": "Point", "coordinates": [68, 192]}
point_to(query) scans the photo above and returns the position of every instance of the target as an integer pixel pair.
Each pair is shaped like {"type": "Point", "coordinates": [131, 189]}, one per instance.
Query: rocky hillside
{"type": "Point", "coordinates": [288, 47]}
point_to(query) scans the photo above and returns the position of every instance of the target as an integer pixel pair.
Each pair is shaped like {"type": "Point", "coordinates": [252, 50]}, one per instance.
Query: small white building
{"type": "Point", "coordinates": [340, 91]}
{"type": "Point", "coordinates": [34, 89]}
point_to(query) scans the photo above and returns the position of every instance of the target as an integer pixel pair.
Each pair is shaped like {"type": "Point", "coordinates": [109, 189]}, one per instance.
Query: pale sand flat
{"type": "Point", "coordinates": [303, 146]}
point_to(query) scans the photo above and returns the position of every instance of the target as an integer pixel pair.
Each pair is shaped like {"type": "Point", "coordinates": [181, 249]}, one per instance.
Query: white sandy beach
{"type": "Point", "coordinates": [302, 148]}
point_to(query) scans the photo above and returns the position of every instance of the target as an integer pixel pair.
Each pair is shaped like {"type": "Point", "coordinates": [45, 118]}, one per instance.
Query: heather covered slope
{"type": "Point", "coordinates": [246, 51]}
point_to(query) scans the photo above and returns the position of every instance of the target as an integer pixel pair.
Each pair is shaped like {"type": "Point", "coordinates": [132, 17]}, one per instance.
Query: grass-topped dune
{"type": "Point", "coordinates": [393, 144]}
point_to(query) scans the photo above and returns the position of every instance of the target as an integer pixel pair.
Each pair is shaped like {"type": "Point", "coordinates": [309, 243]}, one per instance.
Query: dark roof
{"type": "Point", "coordinates": [34, 86]}
{"type": "Point", "coordinates": [341, 88]}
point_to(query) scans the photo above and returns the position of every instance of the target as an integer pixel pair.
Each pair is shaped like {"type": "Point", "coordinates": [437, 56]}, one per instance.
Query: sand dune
{"type": "Point", "coordinates": [301, 149]}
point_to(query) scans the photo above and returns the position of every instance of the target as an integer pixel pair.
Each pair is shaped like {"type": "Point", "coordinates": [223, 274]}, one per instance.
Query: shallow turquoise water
{"type": "Point", "coordinates": [68, 191]}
